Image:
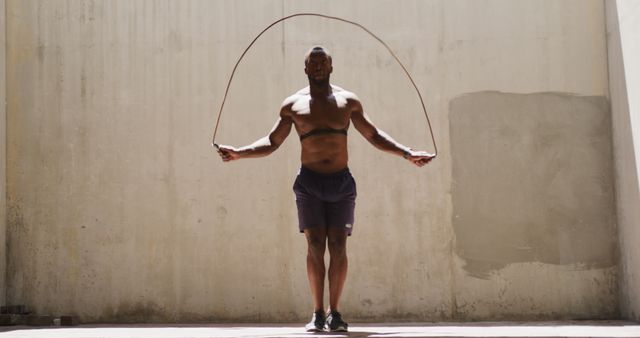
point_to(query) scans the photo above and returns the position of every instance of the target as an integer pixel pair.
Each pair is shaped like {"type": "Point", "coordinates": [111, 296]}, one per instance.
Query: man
{"type": "Point", "coordinates": [324, 188]}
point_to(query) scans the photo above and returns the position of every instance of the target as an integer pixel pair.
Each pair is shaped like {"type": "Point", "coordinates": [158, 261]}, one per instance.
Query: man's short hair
{"type": "Point", "coordinates": [316, 49]}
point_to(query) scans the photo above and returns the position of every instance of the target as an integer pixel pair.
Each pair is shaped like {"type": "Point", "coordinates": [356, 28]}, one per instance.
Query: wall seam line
{"type": "Point", "coordinates": [6, 151]}
{"type": "Point", "coordinates": [624, 306]}
{"type": "Point", "coordinates": [613, 162]}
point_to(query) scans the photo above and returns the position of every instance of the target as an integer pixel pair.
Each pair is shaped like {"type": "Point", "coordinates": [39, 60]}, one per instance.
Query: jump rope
{"type": "Point", "coordinates": [226, 91]}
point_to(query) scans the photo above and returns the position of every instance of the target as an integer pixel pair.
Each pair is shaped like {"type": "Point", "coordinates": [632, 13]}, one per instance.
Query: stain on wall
{"type": "Point", "coordinates": [532, 180]}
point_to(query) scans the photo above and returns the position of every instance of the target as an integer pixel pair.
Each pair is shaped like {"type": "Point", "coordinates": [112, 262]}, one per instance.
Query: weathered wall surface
{"type": "Point", "coordinates": [623, 27]}
{"type": "Point", "coordinates": [119, 210]}
{"type": "Point", "coordinates": [3, 157]}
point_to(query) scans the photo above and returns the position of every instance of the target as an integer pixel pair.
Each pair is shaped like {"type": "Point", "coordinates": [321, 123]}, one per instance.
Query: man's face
{"type": "Point", "coordinates": [318, 67]}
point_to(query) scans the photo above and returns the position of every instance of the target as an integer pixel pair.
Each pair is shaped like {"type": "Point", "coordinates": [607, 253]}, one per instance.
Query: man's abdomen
{"type": "Point", "coordinates": [325, 153]}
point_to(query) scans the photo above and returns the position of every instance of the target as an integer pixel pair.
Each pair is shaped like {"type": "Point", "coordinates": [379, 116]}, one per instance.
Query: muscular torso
{"type": "Point", "coordinates": [324, 153]}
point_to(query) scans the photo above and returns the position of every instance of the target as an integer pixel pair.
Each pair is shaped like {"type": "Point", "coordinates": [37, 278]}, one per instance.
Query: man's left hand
{"type": "Point", "coordinates": [419, 158]}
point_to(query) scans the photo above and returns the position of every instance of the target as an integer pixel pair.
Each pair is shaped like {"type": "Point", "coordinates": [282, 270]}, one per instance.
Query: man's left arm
{"type": "Point", "coordinates": [382, 140]}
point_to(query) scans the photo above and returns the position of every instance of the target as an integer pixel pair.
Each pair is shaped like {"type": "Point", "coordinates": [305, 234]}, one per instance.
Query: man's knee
{"type": "Point", "coordinates": [338, 247]}
{"type": "Point", "coordinates": [317, 243]}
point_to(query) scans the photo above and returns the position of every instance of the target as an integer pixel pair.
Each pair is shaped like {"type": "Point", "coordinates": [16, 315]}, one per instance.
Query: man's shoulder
{"type": "Point", "coordinates": [292, 99]}
{"type": "Point", "coordinates": [345, 94]}
{"type": "Point", "coordinates": [346, 98]}
{"type": "Point", "coordinates": [298, 102]}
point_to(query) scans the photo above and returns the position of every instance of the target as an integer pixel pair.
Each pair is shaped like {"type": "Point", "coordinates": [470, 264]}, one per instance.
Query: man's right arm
{"type": "Point", "coordinates": [265, 145]}
{"type": "Point", "coordinates": [382, 140]}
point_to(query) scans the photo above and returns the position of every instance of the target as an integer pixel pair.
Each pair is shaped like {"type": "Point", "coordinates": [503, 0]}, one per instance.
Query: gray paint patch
{"type": "Point", "coordinates": [532, 180]}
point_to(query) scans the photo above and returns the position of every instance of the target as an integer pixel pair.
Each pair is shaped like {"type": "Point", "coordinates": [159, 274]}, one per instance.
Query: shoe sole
{"type": "Point", "coordinates": [340, 329]}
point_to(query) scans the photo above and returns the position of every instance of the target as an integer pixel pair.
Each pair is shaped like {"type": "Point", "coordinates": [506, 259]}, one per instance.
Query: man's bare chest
{"type": "Point", "coordinates": [321, 114]}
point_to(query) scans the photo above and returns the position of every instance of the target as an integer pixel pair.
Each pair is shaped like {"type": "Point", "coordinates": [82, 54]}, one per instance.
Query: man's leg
{"type": "Point", "coordinates": [317, 242]}
{"type": "Point", "coordinates": [338, 264]}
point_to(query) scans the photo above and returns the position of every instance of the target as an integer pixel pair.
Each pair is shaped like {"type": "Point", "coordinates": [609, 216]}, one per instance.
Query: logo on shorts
{"type": "Point", "coordinates": [348, 225]}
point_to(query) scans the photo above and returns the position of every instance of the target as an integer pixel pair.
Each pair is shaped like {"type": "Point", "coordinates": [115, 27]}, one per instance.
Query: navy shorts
{"type": "Point", "coordinates": [325, 199]}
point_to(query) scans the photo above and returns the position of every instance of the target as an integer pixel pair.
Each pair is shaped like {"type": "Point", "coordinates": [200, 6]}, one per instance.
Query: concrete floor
{"type": "Point", "coordinates": [609, 329]}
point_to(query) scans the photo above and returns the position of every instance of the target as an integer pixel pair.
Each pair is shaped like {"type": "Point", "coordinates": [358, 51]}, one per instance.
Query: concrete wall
{"type": "Point", "coordinates": [119, 210]}
{"type": "Point", "coordinates": [623, 27]}
{"type": "Point", "coordinates": [3, 156]}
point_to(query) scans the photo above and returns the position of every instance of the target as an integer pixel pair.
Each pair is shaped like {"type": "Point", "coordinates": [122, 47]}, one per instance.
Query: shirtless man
{"type": "Point", "coordinates": [324, 188]}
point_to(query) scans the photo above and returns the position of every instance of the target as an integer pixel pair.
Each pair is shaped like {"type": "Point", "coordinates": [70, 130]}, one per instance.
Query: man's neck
{"type": "Point", "coordinates": [320, 91]}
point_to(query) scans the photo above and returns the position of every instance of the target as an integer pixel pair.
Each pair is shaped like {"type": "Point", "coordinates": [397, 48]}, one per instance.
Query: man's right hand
{"type": "Point", "coordinates": [228, 153]}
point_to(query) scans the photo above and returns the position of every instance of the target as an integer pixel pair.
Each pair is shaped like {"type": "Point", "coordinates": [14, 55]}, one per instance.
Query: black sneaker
{"type": "Point", "coordinates": [317, 322]}
{"type": "Point", "coordinates": [334, 323]}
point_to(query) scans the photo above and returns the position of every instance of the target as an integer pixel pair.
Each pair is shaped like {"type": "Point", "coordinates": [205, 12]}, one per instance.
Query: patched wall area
{"type": "Point", "coordinates": [533, 183]}
{"type": "Point", "coordinates": [532, 180]}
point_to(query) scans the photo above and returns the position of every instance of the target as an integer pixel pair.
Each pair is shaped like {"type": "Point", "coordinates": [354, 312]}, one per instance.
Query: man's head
{"type": "Point", "coordinates": [317, 64]}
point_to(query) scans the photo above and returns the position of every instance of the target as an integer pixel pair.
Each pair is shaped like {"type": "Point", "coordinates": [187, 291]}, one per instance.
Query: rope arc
{"type": "Point", "coordinates": [226, 92]}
